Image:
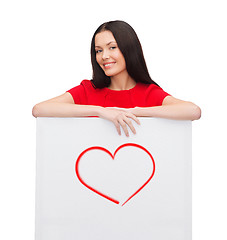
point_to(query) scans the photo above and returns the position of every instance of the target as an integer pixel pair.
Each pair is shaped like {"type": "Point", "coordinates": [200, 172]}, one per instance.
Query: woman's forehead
{"type": "Point", "coordinates": [104, 38]}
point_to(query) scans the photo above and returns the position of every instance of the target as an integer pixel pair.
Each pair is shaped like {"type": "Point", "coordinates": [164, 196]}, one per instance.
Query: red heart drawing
{"type": "Point", "coordinates": [113, 156]}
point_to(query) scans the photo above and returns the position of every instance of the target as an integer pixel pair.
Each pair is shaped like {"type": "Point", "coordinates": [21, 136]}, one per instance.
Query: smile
{"type": "Point", "coordinates": [108, 65]}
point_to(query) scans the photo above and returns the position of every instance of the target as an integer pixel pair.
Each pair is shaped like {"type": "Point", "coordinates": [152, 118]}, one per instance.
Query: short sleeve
{"type": "Point", "coordinates": [155, 95]}
{"type": "Point", "coordinates": [78, 94]}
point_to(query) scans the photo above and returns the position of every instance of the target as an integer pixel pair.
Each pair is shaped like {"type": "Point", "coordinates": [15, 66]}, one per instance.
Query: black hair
{"type": "Point", "coordinates": [130, 46]}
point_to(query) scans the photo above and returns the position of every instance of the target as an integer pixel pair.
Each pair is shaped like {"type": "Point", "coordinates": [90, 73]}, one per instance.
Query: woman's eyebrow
{"type": "Point", "coordinates": [108, 43]}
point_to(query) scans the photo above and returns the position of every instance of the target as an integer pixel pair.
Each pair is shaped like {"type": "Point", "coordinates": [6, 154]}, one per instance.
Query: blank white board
{"type": "Point", "coordinates": [92, 184]}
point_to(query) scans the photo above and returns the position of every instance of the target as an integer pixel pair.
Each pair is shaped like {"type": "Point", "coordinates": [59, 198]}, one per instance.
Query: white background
{"type": "Point", "coordinates": [45, 50]}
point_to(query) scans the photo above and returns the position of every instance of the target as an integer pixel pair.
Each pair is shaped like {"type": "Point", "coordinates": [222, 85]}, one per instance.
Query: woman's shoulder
{"type": "Point", "coordinates": [86, 83]}
{"type": "Point", "coordinates": [84, 86]}
{"type": "Point", "coordinates": [83, 91]}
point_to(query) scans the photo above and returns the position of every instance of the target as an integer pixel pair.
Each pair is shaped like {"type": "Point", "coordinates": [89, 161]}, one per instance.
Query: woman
{"type": "Point", "coordinates": [121, 88]}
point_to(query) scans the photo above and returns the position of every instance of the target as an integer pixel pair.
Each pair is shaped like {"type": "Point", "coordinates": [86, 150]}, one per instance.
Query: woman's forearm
{"type": "Point", "coordinates": [185, 111]}
{"type": "Point", "coordinates": [56, 109]}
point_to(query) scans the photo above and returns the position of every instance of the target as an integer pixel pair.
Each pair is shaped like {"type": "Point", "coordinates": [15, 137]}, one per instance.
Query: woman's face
{"type": "Point", "coordinates": [108, 55]}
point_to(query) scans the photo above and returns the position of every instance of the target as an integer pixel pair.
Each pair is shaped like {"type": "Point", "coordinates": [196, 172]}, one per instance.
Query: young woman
{"type": "Point", "coordinates": [121, 89]}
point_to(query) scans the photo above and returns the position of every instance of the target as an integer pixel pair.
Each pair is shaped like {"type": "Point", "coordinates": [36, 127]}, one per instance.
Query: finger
{"type": "Point", "coordinates": [117, 125]}
{"type": "Point", "coordinates": [129, 122]}
{"type": "Point", "coordinates": [132, 116]}
{"type": "Point", "coordinates": [124, 127]}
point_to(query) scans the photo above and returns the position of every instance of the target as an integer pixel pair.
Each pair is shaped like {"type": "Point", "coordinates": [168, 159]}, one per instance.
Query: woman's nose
{"type": "Point", "coordinates": [105, 55]}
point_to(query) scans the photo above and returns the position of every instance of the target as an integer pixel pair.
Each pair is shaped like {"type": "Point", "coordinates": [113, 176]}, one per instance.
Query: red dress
{"type": "Point", "coordinates": [142, 95]}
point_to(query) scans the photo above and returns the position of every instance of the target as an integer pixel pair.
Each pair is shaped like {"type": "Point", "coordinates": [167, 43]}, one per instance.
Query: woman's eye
{"type": "Point", "coordinates": [100, 50]}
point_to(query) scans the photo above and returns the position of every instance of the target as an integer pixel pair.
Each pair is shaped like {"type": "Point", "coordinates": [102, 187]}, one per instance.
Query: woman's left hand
{"type": "Point", "coordinates": [120, 117]}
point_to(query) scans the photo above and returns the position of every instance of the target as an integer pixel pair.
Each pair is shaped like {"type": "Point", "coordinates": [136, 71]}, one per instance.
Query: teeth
{"type": "Point", "coordinates": [108, 64]}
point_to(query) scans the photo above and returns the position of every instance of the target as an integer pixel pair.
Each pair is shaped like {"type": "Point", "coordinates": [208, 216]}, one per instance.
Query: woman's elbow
{"type": "Point", "coordinates": [36, 111]}
{"type": "Point", "coordinates": [196, 113]}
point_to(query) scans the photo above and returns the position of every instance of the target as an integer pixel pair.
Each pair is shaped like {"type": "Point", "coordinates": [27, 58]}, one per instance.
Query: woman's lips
{"type": "Point", "coordinates": [108, 65]}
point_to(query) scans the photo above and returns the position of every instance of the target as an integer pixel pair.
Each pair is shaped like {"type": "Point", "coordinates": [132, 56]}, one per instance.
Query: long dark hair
{"type": "Point", "coordinates": [131, 49]}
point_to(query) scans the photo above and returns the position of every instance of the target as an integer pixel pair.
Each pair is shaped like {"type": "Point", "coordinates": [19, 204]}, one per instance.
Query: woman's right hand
{"type": "Point", "coordinates": [120, 118]}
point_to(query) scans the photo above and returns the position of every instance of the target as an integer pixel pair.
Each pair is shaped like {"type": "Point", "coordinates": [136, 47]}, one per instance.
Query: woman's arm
{"type": "Point", "coordinates": [172, 108]}
{"type": "Point", "coordinates": [63, 106]}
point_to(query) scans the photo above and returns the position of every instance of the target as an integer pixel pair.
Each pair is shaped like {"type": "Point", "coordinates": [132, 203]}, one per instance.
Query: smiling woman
{"type": "Point", "coordinates": [121, 87]}
{"type": "Point", "coordinates": [123, 39]}
{"type": "Point", "coordinates": [109, 56]}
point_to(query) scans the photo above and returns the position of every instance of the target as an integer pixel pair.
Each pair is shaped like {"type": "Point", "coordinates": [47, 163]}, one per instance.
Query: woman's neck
{"type": "Point", "coordinates": [122, 82]}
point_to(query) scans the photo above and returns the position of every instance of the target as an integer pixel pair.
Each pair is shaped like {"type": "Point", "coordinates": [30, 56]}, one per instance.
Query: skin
{"type": "Point", "coordinates": [107, 51]}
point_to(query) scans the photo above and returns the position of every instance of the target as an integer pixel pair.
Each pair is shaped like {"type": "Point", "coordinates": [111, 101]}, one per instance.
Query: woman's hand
{"type": "Point", "coordinates": [120, 117]}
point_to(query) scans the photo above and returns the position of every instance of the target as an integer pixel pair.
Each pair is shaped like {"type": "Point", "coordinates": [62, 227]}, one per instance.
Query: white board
{"type": "Point", "coordinates": [92, 184]}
